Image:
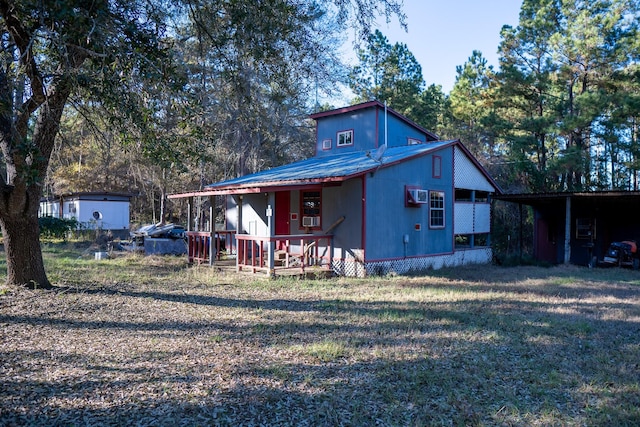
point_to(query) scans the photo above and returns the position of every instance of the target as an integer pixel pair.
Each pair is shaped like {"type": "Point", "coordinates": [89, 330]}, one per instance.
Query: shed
{"type": "Point", "coordinates": [381, 195]}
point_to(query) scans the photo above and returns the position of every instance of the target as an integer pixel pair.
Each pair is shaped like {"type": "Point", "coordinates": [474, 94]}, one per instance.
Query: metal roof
{"type": "Point", "coordinates": [533, 199]}
{"type": "Point", "coordinates": [319, 170]}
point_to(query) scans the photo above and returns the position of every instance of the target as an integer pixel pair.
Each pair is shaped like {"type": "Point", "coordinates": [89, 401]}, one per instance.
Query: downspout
{"type": "Point", "coordinates": [567, 231]}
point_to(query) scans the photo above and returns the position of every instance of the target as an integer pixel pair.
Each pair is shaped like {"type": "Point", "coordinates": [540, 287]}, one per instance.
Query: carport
{"type": "Point", "coordinates": [578, 227]}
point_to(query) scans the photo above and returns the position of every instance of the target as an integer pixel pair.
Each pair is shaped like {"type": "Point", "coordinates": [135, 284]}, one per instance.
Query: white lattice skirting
{"type": "Point", "coordinates": [354, 268]}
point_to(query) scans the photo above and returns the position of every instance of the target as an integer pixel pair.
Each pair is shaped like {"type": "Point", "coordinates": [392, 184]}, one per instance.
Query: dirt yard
{"type": "Point", "coordinates": [151, 342]}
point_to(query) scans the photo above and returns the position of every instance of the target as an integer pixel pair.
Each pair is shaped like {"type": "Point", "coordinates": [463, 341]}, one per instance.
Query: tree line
{"type": "Point", "coordinates": [559, 114]}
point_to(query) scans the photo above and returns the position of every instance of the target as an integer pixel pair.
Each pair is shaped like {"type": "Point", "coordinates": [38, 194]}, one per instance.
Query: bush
{"type": "Point", "coordinates": [56, 228]}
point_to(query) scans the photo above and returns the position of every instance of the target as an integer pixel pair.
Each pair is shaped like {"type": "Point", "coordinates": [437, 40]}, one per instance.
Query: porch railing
{"type": "Point", "coordinates": [294, 251]}
{"type": "Point", "coordinates": [199, 245]}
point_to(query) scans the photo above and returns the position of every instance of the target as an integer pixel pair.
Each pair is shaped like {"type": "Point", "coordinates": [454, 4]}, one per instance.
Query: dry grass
{"type": "Point", "coordinates": [149, 341]}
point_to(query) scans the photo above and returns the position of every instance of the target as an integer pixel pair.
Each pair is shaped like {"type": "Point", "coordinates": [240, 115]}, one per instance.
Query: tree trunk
{"type": "Point", "coordinates": [21, 234]}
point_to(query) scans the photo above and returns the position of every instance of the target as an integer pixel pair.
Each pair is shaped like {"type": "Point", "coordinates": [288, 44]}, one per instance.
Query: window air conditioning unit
{"type": "Point", "coordinates": [419, 196]}
{"type": "Point", "coordinates": [310, 221]}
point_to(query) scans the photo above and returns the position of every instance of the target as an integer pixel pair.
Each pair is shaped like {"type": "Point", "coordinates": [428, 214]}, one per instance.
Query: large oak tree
{"type": "Point", "coordinates": [111, 53]}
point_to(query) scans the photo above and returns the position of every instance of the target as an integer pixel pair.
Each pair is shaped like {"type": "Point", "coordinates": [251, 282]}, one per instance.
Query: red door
{"type": "Point", "coordinates": [283, 206]}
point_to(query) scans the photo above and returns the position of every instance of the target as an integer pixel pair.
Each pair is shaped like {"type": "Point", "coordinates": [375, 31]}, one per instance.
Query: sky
{"type": "Point", "coordinates": [443, 34]}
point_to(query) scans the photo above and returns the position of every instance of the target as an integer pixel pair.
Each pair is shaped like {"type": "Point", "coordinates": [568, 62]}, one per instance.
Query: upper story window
{"type": "Point", "coordinates": [326, 144]}
{"type": "Point", "coordinates": [413, 141]}
{"type": "Point", "coordinates": [344, 138]}
{"type": "Point", "coordinates": [436, 209]}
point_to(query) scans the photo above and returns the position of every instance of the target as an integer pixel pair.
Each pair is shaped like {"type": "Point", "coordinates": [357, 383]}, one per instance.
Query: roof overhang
{"type": "Point", "coordinates": [537, 199]}
{"type": "Point", "coordinates": [262, 188]}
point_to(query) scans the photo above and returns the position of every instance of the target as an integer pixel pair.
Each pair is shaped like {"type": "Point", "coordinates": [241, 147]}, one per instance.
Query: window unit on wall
{"type": "Point", "coordinates": [311, 202]}
{"type": "Point", "coordinates": [414, 196]}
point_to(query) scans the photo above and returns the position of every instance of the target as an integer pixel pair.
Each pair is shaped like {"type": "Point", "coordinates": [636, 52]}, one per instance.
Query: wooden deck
{"type": "Point", "coordinates": [304, 255]}
{"type": "Point", "coordinates": [227, 266]}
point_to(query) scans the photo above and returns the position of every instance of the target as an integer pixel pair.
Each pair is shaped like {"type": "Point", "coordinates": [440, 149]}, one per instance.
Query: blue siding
{"type": "Point", "coordinates": [345, 200]}
{"type": "Point", "coordinates": [388, 220]}
{"type": "Point", "coordinates": [368, 126]}
{"type": "Point", "coordinates": [399, 132]}
{"type": "Point", "coordinates": [363, 124]}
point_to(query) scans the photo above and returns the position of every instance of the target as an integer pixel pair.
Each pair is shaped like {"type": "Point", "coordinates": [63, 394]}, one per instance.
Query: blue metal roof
{"type": "Point", "coordinates": [339, 167]}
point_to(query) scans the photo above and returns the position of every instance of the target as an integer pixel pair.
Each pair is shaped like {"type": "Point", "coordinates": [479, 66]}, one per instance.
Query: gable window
{"type": "Point", "coordinates": [414, 141]}
{"type": "Point", "coordinates": [436, 209]}
{"type": "Point", "coordinates": [436, 171]}
{"type": "Point", "coordinates": [345, 138]}
{"type": "Point", "coordinates": [310, 208]}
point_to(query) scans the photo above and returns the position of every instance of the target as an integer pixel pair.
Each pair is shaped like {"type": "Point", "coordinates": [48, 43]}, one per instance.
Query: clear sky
{"type": "Point", "coordinates": [443, 34]}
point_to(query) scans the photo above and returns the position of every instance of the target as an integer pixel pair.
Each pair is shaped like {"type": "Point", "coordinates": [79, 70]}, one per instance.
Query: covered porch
{"type": "Point", "coordinates": [268, 253]}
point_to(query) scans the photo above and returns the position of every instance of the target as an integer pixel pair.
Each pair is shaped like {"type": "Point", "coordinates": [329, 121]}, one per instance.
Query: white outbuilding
{"type": "Point", "coordinates": [93, 210]}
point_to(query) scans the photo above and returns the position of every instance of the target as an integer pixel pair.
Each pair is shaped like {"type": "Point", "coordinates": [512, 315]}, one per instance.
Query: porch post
{"type": "Point", "coordinates": [271, 203]}
{"type": "Point", "coordinates": [240, 247]}
{"type": "Point", "coordinates": [567, 231]}
{"type": "Point", "coordinates": [189, 207]}
{"type": "Point", "coordinates": [212, 232]}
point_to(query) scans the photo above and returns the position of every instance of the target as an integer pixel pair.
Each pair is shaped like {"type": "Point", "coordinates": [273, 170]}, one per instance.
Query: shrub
{"type": "Point", "coordinates": [56, 228]}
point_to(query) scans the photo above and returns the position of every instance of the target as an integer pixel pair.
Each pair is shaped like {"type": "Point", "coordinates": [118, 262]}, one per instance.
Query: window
{"type": "Point", "coordinates": [414, 141]}
{"type": "Point", "coordinates": [345, 138]}
{"type": "Point", "coordinates": [482, 196]}
{"type": "Point", "coordinates": [310, 208]}
{"type": "Point", "coordinates": [463, 195]}
{"type": "Point", "coordinates": [326, 144]}
{"type": "Point", "coordinates": [585, 228]}
{"type": "Point", "coordinates": [436, 209]}
{"type": "Point", "coordinates": [437, 166]}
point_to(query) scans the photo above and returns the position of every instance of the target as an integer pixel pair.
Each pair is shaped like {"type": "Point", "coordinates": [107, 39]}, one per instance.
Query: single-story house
{"type": "Point", "coordinates": [382, 194]}
{"type": "Point", "coordinates": [93, 210]}
{"type": "Point", "coordinates": [578, 227]}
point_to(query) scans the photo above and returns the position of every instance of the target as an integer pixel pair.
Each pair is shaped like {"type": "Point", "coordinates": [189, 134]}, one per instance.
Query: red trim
{"type": "Point", "coordinates": [453, 199]}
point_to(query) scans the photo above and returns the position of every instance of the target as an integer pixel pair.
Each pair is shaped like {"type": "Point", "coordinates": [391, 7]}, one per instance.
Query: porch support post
{"type": "Point", "coordinates": [240, 244]}
{"type": "Point", "coordinates": [189, 213]}
{"type": "Point", "coordinates": [271, 203]}
{"type": "Point", "coordinates": [212, 231]}
{"type": "Point", "coordinates": [567, 231]}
